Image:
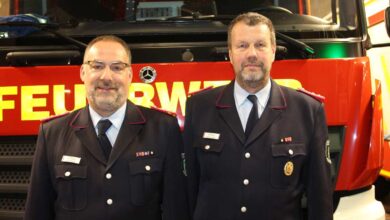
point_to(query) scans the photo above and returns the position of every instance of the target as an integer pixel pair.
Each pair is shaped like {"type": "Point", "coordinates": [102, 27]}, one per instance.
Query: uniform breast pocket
{"type": "Point", "coordinates": [287, 164]}
{"type": "Point", "coordinates": [72, 186]}
{"type": "Point", "coordinates": [209, 152]}
{"type": "Point", "coordinates": [145, 179]}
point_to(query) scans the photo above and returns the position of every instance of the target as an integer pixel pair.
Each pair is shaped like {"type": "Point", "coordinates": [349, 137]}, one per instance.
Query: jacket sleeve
{"type": "Point", "coordinates": [319, 187]}
{"type": "Point", "coordinates": [41, 194]}
{"type": "Point", "coordinates": [175, 205]}
{"type": "Point", "coordinates": [191, 163]}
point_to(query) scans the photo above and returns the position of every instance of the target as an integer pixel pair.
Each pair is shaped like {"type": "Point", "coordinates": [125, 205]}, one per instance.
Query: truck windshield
{"type": "Point", "coordinates": [333, 18]}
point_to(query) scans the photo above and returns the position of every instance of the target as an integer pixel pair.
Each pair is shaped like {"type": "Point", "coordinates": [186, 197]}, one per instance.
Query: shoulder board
{"type": "Point", "coordinates": [200, 90]}
{"type": "Point", "coordinates": [54, 117]}
{"type": "Point", "coordinates": [316, 96]}
{"type": "Point", "coordinates": [164, 111]}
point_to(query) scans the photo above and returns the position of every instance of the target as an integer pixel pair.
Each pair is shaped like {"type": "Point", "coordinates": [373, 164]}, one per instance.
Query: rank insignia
{"type": "Point", "coordinates": [164, 111]}
{"type": "Point", "coordinates": [200, 90]}
{"type": "Point", "coordinates": [288, 168]}
{"type": "Point", "coordinates": [318, 97]}
{"type": "Point", "coordinates": [54, 117]}
{"type": "Point", "coordinates": [144, 153]}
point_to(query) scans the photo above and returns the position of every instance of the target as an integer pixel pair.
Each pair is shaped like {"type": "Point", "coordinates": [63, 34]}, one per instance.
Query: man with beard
{"type": "Point", "coordinates": [254, 148]}
{"type": "Point", "coordinates": [111, 159]}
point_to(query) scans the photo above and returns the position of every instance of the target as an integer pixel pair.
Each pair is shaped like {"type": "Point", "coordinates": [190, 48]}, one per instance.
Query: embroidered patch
{"type": "Point", "coordinates": [327, 152]}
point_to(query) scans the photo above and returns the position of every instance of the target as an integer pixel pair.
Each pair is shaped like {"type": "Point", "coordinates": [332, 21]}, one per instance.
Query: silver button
{"type": "Point", "coordinates": [68, 173]}
{"type": "Point", "coordinates": [243, 209]}
{"type": "Point", "coordinates": [246, 182]}
{"type": "Point", "coordinates": [109, 201]}
{"type": "Point", "coordinates": [247, 155]}
{"type": "Point", "coordinates": [207, 147]}
{"type": "Point", "coordinates": [108, 176]}
{"type": "Point", "coordinates": [291, 152]}
{"type": "Point", "coordinates": [147, 168]}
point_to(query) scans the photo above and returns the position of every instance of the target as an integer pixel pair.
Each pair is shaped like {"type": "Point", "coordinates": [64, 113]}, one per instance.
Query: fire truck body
{"type": "Point", "coordinates": [379, 56]}
{"type": "Point", "coordinates": [321, 47]}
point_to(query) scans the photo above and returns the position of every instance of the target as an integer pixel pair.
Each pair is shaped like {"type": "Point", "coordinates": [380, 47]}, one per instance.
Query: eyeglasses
{"type": "Point", "coordinates": [99, 66]}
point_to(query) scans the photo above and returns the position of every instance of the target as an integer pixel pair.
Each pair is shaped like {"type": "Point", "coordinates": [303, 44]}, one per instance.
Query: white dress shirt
{"type": "Point", "coordinates": [244, 106]}
{"type": "Point", "coordinates": [116, 119]}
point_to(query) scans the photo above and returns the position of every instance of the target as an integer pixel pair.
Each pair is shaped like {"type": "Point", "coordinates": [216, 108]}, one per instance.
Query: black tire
{"type": "Point", "coordinates": [382, 188]}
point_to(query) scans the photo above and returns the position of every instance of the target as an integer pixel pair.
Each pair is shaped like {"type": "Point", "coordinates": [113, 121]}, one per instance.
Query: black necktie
{"type": "Point", "coordinates": [253, 115]}
{"type": "Point", "coordinates": [103, 126]}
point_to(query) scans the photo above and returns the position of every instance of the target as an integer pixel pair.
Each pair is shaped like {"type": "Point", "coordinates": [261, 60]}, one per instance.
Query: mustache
{"type": "Point", "coordinates": [253, 61]}
{"type": "Point", "coordinates": [258, 64]}
{"type": "Point", "coordinates": [105, 85]}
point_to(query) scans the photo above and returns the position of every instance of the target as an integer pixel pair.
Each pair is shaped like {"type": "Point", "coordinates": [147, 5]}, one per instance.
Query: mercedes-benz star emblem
{"type": "Point", "coordinates": [147, 74]}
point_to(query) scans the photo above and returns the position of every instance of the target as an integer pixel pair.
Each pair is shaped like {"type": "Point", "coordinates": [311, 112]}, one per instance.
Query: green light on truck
{"type": "Point", "coordinates": [331, 51]}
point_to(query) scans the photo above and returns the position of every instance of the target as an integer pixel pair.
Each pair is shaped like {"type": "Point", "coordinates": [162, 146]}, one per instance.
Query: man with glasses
{"type": "Point", "coordinates": [111, 159]}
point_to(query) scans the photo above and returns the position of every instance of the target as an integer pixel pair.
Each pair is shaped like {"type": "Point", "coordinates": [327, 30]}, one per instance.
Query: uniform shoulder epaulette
{"type": "Point", "coordinates": [54, 117]}
{"type": "Point", "coordinates": [316, 96]}
{"type": "Point", "coordinates": [164, 111]}
{"type": "Point", "coordinates": [200, 90]}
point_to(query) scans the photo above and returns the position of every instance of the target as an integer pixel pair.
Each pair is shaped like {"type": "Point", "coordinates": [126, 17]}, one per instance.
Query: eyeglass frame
{"type": "Point", "coordinates": [107, 64]}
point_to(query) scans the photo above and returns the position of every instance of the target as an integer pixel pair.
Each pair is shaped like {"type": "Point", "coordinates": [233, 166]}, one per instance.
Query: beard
{"type": "Point", "coordinates": [106, 97]}
{"type": "Point", "coordinates": [252, 78]}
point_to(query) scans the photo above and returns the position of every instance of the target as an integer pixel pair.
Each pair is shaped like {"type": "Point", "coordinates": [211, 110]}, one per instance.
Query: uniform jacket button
{"type": "Point", "coordinates": [246, 182]}
{"type": "Point", "coordinates": [247, 155]}
{"type": "Point", "coordinates": [207, 147]}
{"type": "Point", "coordinates": [243, 209]}
{"type": "Point", "coordinates": [147, 168]}
{"type": "Point", "coordinates": [109, 201]}
{"type": "Point", "coordinates": [67, 173]}
{"type": "Point", "coordinates": [108, 176]}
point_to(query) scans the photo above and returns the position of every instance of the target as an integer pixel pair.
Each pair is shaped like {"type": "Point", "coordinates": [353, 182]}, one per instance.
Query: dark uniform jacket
{"type": "Point", "coordinates": [142, 179]}
{"type": "Point", "coordinates": [265, 176]}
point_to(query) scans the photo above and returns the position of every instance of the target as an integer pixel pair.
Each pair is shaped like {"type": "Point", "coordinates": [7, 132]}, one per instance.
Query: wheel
{"type": "Point", "coordinates": [382, 188]}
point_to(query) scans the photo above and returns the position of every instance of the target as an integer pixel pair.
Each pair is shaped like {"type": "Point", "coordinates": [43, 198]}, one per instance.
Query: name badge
{"type": "Point", "coordinates": [210, 135]}
{"type": "Point", "coordinates": [144, 153]}
{"type": "Point", "coordinates": [71, 159]}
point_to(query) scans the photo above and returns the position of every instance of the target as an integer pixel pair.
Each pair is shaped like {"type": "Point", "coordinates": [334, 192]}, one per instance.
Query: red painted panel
{"type": "Point", "coordinates": [376, 18]}
{"type": "Point", "coordinates": [345, 83]}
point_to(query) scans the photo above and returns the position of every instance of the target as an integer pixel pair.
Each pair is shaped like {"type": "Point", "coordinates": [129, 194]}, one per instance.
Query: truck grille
{"type": "Point", "coordinates": [16, 155]}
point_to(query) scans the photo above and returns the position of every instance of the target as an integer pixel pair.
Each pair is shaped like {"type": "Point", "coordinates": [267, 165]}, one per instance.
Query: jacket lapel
{"type": "Point", "coordinates": [276, 104]}
{"type": "Point", "coordinates": [132, 124]}
{"type": "Point", "coordinates": [227, 109]}
{"type": "Point", "coordinates": [82, 125]}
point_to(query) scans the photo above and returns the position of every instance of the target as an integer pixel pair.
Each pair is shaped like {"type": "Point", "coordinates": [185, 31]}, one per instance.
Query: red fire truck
{"type": "Point", "coordinates": [379, 54]}
{"type": "Point", "coordinates": [179, 47]}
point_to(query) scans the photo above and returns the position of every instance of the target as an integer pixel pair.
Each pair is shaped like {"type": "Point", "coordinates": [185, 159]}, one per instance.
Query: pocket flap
{"type": "Point", "coordinates": [145, 166]}
{"type": "Point", "coordinates": [68, 171]}
{"type": "Point", "coordinates": [289, 150]}
{"type": "Point", "coordinates": [208, 145]}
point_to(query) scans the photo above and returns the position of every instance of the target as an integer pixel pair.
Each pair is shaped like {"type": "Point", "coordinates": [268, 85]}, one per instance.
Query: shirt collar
{"type": "Point", "coordinates": [241, 94]}
{"type": "Point", "coordinates": [116, 118]}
